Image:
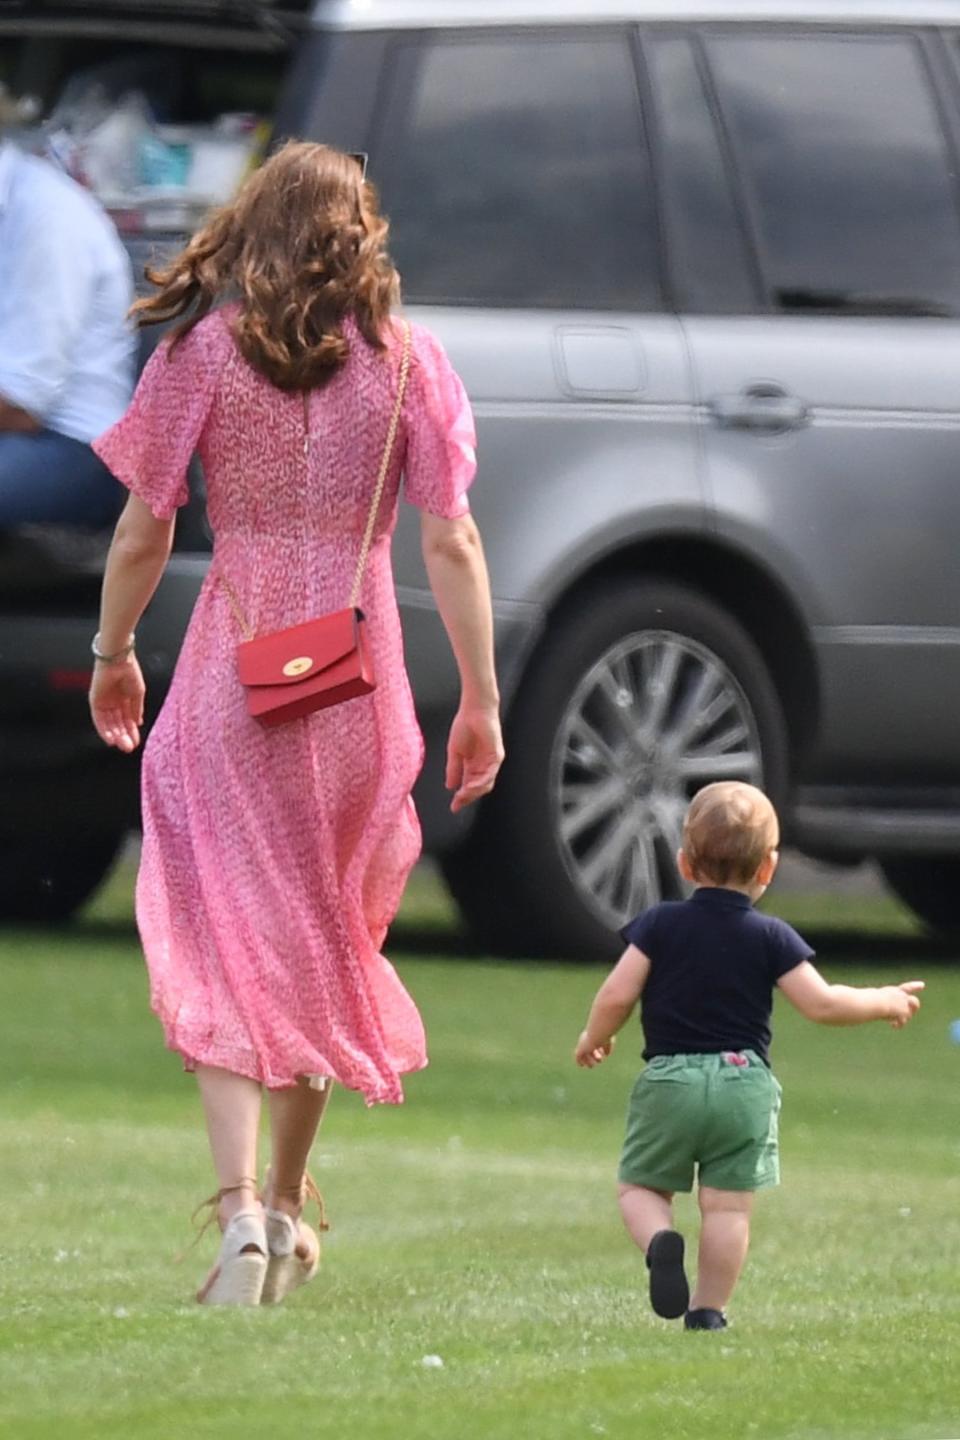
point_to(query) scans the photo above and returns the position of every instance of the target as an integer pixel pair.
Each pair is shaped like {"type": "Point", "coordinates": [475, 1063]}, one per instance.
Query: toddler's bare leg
{"type": "Point", "coordinates": [724, 1238]}
{"type": "Point", "coordinates": [648, 1215]}
{"type": "Point", "coordinates": [645, 1212]}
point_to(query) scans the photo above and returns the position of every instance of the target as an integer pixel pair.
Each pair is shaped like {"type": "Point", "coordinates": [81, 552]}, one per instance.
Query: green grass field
{"type": "Point", "coordinates": [476, 1224]}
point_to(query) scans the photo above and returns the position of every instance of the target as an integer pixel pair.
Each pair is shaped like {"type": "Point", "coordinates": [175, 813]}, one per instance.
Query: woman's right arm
{"type": "Point", "coordinates": [457, 570]}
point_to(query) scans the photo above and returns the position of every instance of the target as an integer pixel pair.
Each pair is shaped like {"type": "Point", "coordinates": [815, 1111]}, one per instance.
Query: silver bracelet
{"type": "Point", "coordinates": [116, 659]}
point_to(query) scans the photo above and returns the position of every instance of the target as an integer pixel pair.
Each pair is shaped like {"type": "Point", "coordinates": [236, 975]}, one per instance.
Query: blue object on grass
{"type": "Point", "coordinates": [955, 1031]}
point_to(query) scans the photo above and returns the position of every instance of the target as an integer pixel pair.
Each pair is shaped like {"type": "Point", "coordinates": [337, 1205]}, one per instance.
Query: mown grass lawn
{"type": "Point", "coordinates": [476, 1224]}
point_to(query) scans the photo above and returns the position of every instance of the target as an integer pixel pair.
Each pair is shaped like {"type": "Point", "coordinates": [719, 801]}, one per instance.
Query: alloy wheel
{"type": "Point", "coordinates": [657, 717]}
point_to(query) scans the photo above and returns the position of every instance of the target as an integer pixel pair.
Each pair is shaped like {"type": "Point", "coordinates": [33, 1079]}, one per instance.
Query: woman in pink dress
{"type": "Point", "coordinates": [275, 859]}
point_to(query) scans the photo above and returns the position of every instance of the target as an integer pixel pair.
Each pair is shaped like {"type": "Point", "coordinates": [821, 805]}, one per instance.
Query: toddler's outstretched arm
{"type": "Point", "coordinates": [814, 997]}
{"type": "Point", "coordinates": [612, 1007]}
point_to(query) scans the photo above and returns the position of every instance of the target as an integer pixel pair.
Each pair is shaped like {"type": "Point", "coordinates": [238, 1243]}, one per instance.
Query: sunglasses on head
{"type": "Point", "coordinates": [361, 157]}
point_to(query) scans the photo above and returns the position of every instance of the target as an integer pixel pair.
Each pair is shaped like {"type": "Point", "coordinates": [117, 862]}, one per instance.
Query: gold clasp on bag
{"type": "Point", "coordinates": [300, 666]}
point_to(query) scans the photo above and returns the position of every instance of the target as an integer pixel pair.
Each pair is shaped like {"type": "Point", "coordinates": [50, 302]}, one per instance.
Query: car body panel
{"type": "Point", "coordinates": [567, 474]}
{"type": "Point", "coordinates": [841, 507]}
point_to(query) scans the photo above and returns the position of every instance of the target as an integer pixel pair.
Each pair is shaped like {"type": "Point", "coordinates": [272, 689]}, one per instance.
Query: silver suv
{"type": "Point", "coordinates": [699, 266]}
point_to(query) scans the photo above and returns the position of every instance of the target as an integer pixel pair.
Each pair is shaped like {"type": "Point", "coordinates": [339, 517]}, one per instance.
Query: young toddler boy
{"type": "Point", "coordinates": [708, 1101]}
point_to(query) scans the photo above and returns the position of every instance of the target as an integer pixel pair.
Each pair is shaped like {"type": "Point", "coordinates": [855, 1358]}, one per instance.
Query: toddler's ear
{"type": "Point", "coordinates": [769, 867]}
{"type": "Point", "coordinates": [683, 865]}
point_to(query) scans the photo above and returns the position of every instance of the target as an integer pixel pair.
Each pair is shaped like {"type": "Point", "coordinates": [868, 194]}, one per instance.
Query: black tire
{"type": "Point", "coordinates": [511, 879]}
{"type": "Point", "coordinates": [46, 882]}
{"type": "Point", "coordinates": [930, 886]}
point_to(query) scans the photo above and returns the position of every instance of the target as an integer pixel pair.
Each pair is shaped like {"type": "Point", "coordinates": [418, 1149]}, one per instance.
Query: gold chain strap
{"type": "Point", "coordinates": [231, 594]}
{"type": "Point", "coordinates": [384, 468]}
{"type": "Point", "coordinates": [234, 603]}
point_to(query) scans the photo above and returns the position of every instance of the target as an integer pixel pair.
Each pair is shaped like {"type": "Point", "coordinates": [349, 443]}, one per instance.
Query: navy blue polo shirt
{"type": "Point", "coordinates": [714, 962]}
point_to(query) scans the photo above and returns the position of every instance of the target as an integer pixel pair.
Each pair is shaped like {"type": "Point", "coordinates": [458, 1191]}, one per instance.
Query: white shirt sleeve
{"type": "Point", "coordinates": [48, 274]}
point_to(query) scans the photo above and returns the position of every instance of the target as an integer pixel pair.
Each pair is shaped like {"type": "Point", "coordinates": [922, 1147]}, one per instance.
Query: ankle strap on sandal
{"type": "Point", "coordinates": [248, 1183]}
{"type": "Point", "coordinates": [305, 1189]}
{"type": "Point", "coordinates": [210, 1205]}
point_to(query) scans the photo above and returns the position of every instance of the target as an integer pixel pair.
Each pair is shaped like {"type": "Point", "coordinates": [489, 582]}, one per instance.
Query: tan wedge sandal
{"type": "Point", "coordinates": [238, 1275]}
{"type": "Point", "coordinates": [286, 1270]}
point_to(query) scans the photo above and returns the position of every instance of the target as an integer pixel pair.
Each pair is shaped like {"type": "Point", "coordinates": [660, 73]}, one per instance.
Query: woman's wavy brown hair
{"type": "Point", "coordinates": [302, 245]}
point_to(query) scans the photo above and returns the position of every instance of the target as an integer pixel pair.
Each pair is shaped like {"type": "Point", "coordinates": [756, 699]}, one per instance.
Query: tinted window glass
{"type": "Point", "coordinates": [844, 154]}
{"type": "Point", "coordinates": [706, 244]}
{"type": "Point", "coordinates": [519, 175]}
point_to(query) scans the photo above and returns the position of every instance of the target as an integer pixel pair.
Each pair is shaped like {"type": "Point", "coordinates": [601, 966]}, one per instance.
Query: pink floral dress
{"type": "Point", "coordinates": [274, 860]}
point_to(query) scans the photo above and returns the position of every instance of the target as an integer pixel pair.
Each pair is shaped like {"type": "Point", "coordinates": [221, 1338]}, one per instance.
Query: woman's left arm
{"type": "Point", "coordinates": [137, 559]}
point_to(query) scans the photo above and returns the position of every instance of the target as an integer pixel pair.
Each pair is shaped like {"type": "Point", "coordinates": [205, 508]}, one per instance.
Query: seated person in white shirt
{"type": "Point", "coordinates": [66, 350]}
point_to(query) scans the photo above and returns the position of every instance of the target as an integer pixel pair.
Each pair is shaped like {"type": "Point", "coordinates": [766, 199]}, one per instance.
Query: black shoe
{"type": "Point", "coordinates": [669, 1291]}
{"type": "Point", "coordinates": [705, 1319]}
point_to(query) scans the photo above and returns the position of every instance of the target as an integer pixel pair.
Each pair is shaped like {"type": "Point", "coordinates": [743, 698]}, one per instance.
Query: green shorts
{"type": "Point", "coordinates": [703, 1111]}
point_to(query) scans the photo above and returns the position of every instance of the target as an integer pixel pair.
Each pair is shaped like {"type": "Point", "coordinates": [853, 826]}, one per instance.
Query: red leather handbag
{"type": "Point", "coordinates": [308, 667]}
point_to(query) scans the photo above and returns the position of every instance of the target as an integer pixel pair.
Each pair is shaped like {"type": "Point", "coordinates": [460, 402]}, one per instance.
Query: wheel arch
{"type": "Point", "coordinates": [739, 583]}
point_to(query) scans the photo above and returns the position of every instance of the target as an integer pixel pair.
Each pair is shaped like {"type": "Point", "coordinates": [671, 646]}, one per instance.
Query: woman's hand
{"type": "Point", "coordinates": [138, 556]}
{"type": "Point", "coordinates": [116, 703]}
{"type": "Point", "coordinates": [453, 553]}
{"type": "Point", "coordinates": [474, 754]}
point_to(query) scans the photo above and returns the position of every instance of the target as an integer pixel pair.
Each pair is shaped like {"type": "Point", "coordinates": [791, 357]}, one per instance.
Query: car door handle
{"type": "Point", "coordinates": [764, 408]}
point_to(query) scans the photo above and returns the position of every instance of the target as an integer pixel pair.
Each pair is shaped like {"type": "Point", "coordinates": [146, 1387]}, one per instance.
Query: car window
{"type": "Point", "coordinates": [517, 173]}
{"type": "Point", "coordinates": [847, 167]}
{"type": "Point", "coordinates": [707, 257]}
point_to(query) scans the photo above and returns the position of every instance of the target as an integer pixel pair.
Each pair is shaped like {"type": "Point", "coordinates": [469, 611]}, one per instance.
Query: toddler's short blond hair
{"type": "Point", "coordinates": [729, 830]}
